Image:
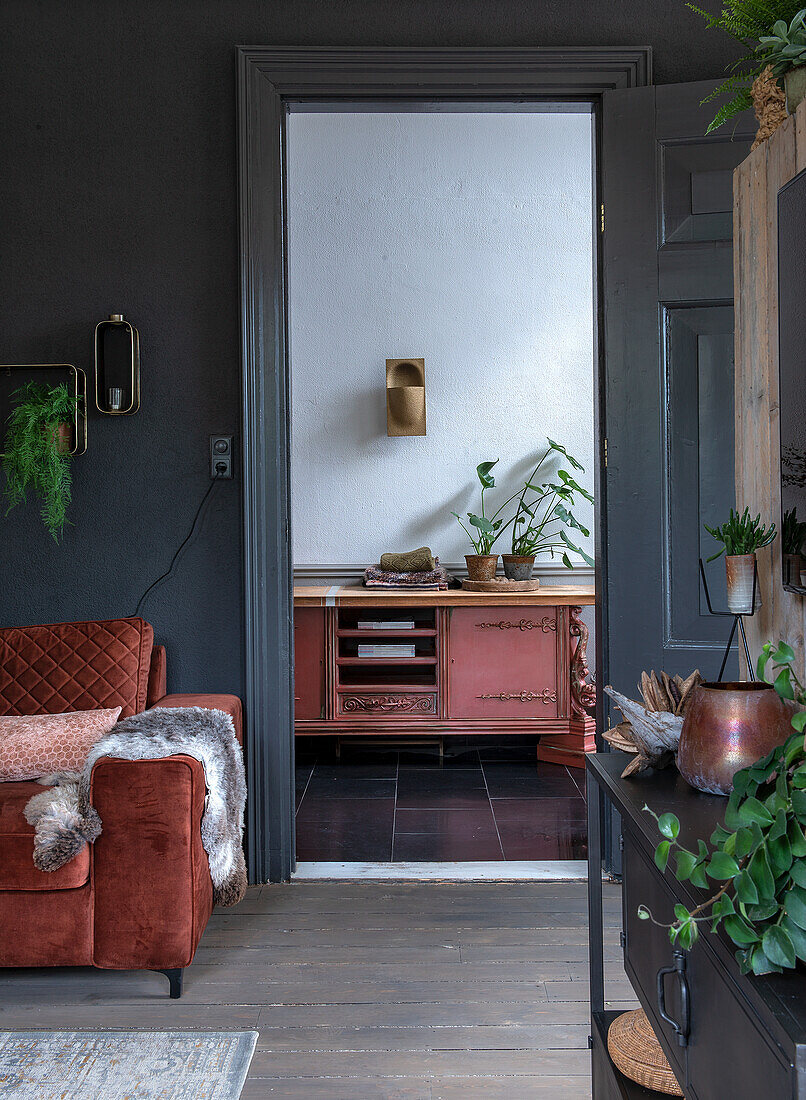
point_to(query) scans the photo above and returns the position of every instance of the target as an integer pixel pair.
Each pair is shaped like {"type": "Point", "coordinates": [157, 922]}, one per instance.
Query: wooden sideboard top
{"type": "Point", "coordinates": [354, 595]}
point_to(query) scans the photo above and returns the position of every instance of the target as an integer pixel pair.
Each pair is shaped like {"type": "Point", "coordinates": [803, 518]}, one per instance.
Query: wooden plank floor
{"type": "Point", "coordinates": [399, 991]}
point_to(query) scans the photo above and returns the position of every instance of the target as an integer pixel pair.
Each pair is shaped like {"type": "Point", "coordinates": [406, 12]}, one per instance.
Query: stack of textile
{"type": "Point", "coordinates": [416, 569]}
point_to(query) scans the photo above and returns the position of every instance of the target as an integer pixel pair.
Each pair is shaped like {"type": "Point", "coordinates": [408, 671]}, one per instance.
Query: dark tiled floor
{"type": "Point", "coordinates": [483, 804]}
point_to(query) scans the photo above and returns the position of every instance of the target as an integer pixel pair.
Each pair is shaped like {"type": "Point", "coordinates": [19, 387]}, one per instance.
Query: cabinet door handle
{"type": "Point", "coordinates": [681, 1028]}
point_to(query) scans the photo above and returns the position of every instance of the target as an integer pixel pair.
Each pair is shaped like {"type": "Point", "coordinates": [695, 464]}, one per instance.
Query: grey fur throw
{"type": "Point", "coordinates": [64, 820]}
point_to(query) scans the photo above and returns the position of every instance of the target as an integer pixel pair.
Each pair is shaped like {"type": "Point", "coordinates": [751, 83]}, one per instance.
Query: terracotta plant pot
{"type": "Point", "coordinates": [518, 567]}
{"type": "Point", "coordinates": [728, 727]}
{"type": "Point", "coordinates": [481, 567]}
{"type": "Point", "coordinates": [740, 571]}
{"type": "Point", "coordinates": [62, 435]}
{"type": "Point", "coordinates": [795, 88]}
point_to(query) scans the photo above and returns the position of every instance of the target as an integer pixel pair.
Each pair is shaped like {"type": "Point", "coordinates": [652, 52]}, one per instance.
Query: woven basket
{"type": "Point", "coordinates": [638, 1054]}
{"type": "Point", "coordinates": [769, 103]}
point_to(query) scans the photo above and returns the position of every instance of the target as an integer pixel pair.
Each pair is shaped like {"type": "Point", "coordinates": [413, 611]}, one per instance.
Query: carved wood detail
{"type": "Point", "coordinates": [545, 624]}
{"type": "Point", "coordinates": [583, 692]}
{"type": "Point", "coordinates": [416, 704]}
{"type": "Point", "coordinates": [547, 695]}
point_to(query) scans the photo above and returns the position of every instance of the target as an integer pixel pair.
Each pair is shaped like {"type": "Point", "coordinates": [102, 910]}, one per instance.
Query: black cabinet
{"type": "Point", "coordinates": [725, 1034]}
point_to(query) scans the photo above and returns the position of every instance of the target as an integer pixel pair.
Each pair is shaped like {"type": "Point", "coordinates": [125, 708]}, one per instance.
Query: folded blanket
{"type": "Point", "coordinates": [64, 819]}
{"type": "Point", "coordinates": [433, 579]}
{"type": "Point", "coordinates": [413, 561]}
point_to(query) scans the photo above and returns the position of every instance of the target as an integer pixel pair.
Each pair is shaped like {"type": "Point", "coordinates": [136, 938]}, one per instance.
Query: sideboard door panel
{"type": "Point", "coordinates": [503, 662]}
{"type": "Point", "coordinates": [309, 662]}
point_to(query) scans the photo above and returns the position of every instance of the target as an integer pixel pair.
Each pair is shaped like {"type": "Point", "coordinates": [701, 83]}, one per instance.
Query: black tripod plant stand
{"type": "Point", "coordinates": [738, 620]}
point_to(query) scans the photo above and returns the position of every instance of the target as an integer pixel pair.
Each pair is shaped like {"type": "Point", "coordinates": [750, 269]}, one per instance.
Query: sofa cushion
{"type": "Point", "coordinates": [75, 666]}
{"type": "Point", "coordinates": [32, 745]}
{"type": "Point", "coordinates": [17, 871]}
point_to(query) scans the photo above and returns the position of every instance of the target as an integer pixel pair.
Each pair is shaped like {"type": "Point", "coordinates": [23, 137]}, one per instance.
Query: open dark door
{"type": "Point", "coordinates": [668, 344]}
{"type": "Point", "coordinates": [667, 270]}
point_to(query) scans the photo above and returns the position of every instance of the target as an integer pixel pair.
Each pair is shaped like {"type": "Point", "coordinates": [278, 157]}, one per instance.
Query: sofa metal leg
{"type": "Point", "coordinates": [174, 976]}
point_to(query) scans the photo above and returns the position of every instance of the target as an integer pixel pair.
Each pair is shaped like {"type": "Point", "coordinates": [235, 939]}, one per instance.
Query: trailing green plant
{"type": "Point", "coordinates": [540, 523]}
{"type": "Point", "coordinates": [741, 534]}
{"type": "Point", "coordinates": [785, 48]}
{"type": "Point", "coordinates": [488, 529]}
{"type": "Point", "coordinates": [750, 22]}
{"type": "Point", "coordinates": [793, 533]}
{"type": "Point", "coordinates": [31, 459]}
{"type": "Point", "coordinates": [758, 856]}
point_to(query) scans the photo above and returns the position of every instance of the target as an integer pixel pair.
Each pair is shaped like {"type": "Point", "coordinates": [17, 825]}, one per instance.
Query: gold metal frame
{"type": "Point", "coordinates": [118, 319]}
{"type": "Point", "coordinates": [79, 378]}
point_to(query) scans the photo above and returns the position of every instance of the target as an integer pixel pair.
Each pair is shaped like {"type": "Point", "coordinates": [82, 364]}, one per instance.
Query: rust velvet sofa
{"type": "Point", "coordinates": [141, 895]}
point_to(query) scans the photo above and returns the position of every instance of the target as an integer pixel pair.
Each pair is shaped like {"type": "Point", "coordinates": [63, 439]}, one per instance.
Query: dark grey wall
{"type": "Point", "coordinates": [118, 193]}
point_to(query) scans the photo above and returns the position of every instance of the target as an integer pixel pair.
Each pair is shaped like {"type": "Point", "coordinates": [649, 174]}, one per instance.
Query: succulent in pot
{"type": "Point", "coordinates": [784, 49]}
{"type": "Point", "coordinates": [36, 452]}
{"type": "Point", "coordinates": [741, 536]}
{"type": "Point", "coordinates": [543, 517]}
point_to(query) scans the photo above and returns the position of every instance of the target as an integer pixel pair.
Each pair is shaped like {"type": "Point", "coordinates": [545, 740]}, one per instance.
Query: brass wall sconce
{"type": "Point", "coordinates": [405, 396]}
{"type": "Point", "coordinates": [78, 380]}
{"type": "Point", "coordinates": [117, 366]}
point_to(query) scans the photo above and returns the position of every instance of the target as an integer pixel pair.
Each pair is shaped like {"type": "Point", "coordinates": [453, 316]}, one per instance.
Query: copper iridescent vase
{"type": "Point", "coordinates": [728, 727]}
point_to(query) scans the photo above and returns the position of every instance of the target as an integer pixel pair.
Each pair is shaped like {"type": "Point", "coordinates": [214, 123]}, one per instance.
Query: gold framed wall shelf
{"type": "Point", "coordinates": [117, 366]}
{"type": "Point", "coordinates": [78, 379]}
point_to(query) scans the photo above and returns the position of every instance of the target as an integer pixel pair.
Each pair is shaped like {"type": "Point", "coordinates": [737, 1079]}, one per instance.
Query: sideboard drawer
{"type": "Point", "coordinates": [386, 705]}
{"type": "Point", "coordinates": [710, 1064]}
{"type": "Point", "coordinates": [503, 662]}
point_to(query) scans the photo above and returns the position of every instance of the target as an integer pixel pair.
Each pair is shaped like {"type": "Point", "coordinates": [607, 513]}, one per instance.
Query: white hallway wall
{"type": "Point", "coordinates": [461, 237]}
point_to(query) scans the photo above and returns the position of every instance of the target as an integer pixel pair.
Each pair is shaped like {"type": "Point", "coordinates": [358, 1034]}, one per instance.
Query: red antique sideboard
{"type": "Point", "coordinates": [483, 664]}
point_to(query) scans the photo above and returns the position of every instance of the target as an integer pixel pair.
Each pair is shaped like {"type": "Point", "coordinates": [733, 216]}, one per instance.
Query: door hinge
{"type": "Point", "coordinates": [601, 218]}
{"type": "Point", "coordinates": [605, 452]}
{"type": "Point", "coordinates": [622, 939]}
{"type": "Point", "coordinates": [621, 842]}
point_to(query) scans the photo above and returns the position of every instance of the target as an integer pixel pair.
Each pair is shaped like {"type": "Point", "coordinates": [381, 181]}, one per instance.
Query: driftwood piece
{"type": "Point", "coordinates": [652, 730]}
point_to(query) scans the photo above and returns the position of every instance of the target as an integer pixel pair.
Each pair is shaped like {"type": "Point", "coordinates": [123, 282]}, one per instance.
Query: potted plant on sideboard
{"type": "Point", "coordinates": [36, 453]}
{"type": "Point", "coordinates": [481, 565]}
{"type": "Point", "coordinates": [541, 521]}
{"type": "Point", "coordinates": [741, 537]}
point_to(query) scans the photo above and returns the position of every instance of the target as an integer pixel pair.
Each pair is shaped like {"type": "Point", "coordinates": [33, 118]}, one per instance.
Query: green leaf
{"type": "Point", "coordinates": [669, 826]}
{"type": "Point", "coordinates": [797, 935]}
{"type": "Point", "coordinates": [689, 934]}
{"type": "Point", "coordinates": [797, 839]}
{"type": "Point", "coordinates": [746, 889]}
{"type": "Point", "coordinates": [778, 828]}
{"type": "Point", "coordinates": [784, 654]}
{"type": "Point", "coordinates": [778, 946]}
{"type": "Point", "coordinates": [763, 911]}
{"type": "Point", "coordinates": [644, 913]}
{"type": "Point", "coordinates": [697, 877]}
{"type": "Point", "coordinates": [797, 873]}
{"type": "Point", "coordinates": [720, 909]}
{"type": "Point", "coordinates": [760, 964]}
{"type": "Point", "coordinates": [722, 866]}
{"type": "Point", "coordinates": [744, 843]}
{"type": "Point", "coordinates": [484, 476]}
{"type": "Point", "coordinates": [759, 871]}
{"type": "Point", "coordinates": [752, 810]}
{"type": "Point", "coordinates": [482, 523]}
{"type": "Point", "coordinates": [783, 684]}
{"type": "Point", "coordinates": [662, 854]}
{"type": "Point", "coordinates": [798, 800]}
{"type": "Point", "coordinates": [780, 853]}
{"type": "Point", "coordinates": [799, 721]}
{"type": "Point", "coordinates": [740, 931]}
{"type": "Point", "coordinates": [686, 862]}
{"type": "Point", "coordinates": [795, 906]}
{"type": "Point", "coordinates": [681, 913]}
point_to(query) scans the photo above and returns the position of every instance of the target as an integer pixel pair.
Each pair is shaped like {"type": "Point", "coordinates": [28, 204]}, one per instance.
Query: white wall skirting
{"type": "Point", "coordinates": [340, 573]}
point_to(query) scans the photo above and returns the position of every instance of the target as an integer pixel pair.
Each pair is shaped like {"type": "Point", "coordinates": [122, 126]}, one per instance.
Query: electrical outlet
{"type": "Point", "coordinates": [221, 456]}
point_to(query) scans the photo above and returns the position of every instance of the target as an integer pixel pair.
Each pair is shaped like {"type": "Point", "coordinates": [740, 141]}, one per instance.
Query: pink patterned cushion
{"type": "Point", "coordinates": [40, 744]}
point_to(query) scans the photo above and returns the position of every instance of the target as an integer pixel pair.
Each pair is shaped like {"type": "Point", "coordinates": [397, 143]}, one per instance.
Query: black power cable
{"type": "Point", "coordinates": [181, 547]}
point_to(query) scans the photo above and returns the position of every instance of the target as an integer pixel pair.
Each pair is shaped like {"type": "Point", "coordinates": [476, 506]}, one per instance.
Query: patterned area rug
{"type": "Point", "coordinates": [124, 1065]}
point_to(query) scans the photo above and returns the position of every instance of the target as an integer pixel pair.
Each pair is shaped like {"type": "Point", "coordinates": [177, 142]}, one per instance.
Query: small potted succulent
{"type": "Point", "coordinates": [37, 447]}
{"type": "Point", "coordinates": [784, 50]}
{"type": "Point", "coordinates": [541, 520]}
{"type": "Point", "coordinates": [793, 535]}
{"type": "Point", "coordinates": [481, 565]}
{"type": "Point", "coordinates": [742, 536]}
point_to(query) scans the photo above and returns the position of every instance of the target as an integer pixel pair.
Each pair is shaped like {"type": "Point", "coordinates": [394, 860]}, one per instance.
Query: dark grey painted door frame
{"type": "Point", "coordinates": [268, 77]}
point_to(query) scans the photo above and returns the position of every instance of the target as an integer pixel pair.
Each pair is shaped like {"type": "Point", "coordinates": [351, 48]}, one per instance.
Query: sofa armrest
{"type": "Point", "coordinates": [151, 880]}
{"type": "Point", "coordinates": [230, 704]}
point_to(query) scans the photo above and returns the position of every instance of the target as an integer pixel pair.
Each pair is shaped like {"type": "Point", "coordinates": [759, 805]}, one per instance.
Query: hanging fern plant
{"type": "Point", "coordinates": [34, 457]}
{"type": "Point", "coordinates": [752, 23]}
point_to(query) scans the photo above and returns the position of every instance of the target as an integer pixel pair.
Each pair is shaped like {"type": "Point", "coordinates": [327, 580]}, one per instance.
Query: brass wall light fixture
{"type": "Point", "coordinates": [405, 396]}
{"type": "Point", "coordinates": [117, 366]}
